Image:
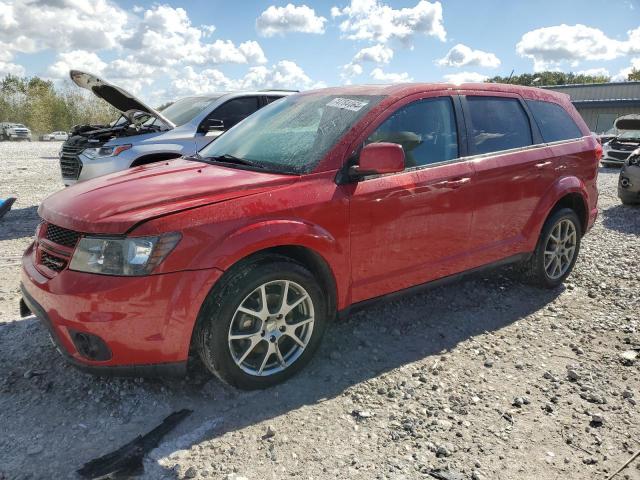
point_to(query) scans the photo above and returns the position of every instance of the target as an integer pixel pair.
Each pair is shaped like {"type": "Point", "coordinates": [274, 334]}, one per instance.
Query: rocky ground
{"type": "Point", "coordinates": [483, 379]}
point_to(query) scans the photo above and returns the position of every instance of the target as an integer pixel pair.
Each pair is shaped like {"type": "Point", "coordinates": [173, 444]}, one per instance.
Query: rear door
{"type": "Point", "coordinates": [411, 227]}
{"type": "Point", "coordinates": [513, 166]}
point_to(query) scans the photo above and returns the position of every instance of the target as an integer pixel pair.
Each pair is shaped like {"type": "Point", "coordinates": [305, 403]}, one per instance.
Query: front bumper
{"type": "Point", "coordinates": [95, 167]}
{"type": "Point", "coordinates": [146, 322]}
{"type": "Point", "coordinates": [614, 157]}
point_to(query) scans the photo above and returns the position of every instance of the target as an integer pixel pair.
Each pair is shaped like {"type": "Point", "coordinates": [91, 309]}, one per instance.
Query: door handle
{"type": "Point", "coordinates": [457, 183]}
{"type": "Point", "coordinates": [542, 165]}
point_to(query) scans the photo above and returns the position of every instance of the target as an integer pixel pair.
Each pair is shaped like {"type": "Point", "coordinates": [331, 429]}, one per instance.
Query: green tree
{"type": "Point", "coordinates": [549, 78]}
{"type": "Point", "coordinates": [44, 108]}
{"type": "Point", "coordinates": [634, 76]}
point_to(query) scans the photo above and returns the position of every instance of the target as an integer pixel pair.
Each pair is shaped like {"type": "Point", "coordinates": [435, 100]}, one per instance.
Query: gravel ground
{"type": "Point", "coordinates": [486, 378]}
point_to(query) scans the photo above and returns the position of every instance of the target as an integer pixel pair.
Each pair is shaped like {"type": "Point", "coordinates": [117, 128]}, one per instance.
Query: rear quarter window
{"type": "Point", "coordinates": [554, 122]}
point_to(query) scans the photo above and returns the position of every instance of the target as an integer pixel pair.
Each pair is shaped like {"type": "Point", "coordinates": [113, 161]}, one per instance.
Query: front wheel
{"type": "Point", "coordinates": [262, 324]}
{"type": "Point", "coordinates": [557, 250]}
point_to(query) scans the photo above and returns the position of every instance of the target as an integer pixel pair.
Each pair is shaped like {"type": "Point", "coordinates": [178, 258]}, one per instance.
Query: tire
{"type": "Point", "coordinates": [240, 362]}
{"type": "Point", "coordinates": [537, 268]}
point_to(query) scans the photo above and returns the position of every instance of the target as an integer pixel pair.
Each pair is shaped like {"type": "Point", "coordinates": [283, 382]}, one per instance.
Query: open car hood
{"type": "Point", "coordinates": [116, 96]}
{"type": "Point", "coordinates": [628, 122]}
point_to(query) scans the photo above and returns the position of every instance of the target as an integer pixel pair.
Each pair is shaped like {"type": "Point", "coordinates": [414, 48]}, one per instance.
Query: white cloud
{"type": "Point", "coordinates": [284, 74]}
{"type": "Point", "coordinates": [549, 47]}
{"type": "Point", "coordinates": [377, 54]}
{"type": "Point", "coordinates": [351, 70]}
{"type": "Point", "coordinates": [164, 36]}
{"type": "Point", "coordinates": [279, 20]}
{"type": "Point", "coordinates": [463, 56]}
{"type": "Point", "coordinates": [374, 21]}
{"type": "Point", "coordinates": [465, 77]}
{"type": "Point", "coordinates": [623, 74]}
{"type": "Point", "coordinates": [8, 68]}
{"type": "Point", "coordinates": [379, 75]}
{"type": "Point", "coordinates": [595, 72]}
{"type": "Point", "coordinates": [61, 25]}
{"type": "Point", "coordinates": [76, 59]}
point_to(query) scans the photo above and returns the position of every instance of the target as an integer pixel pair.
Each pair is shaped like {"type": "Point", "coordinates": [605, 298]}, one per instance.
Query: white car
{"type": "Point", "coordinates": [62, 136]}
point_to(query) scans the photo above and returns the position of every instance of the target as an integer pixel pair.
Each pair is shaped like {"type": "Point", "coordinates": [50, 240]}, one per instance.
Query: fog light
{"type": "Point", "coordinates": [90, 346]}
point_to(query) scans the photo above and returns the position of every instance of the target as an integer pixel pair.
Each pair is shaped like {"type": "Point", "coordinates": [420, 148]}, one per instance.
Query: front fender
{"type": "Point", "coordinates": [272, 233]}
{"type": "Point", "coordinates": [561, 187]}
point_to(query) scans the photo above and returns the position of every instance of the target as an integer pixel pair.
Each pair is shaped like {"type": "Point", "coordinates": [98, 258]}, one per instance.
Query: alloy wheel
{"type": "Point", "coordinates": [271, 328]}
{"type": "Point", "coordinates": [560, 249]}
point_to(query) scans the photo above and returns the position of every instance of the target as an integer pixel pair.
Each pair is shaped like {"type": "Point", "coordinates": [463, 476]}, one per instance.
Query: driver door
{"type": "Point", "coordinates": [412, 227]}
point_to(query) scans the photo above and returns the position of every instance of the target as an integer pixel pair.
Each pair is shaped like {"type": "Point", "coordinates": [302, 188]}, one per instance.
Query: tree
{"type": "Point", "coordinates": [550, 78]}
{"type": "Point", "coordinates": [44, 107]}
{"type": "Point", "coordinates": [634, 76]}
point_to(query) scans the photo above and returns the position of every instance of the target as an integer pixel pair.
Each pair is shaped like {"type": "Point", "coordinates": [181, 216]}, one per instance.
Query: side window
{"type": "Point", "coordinates": [426, 129]}
{"type": "Point", "coordinates": [554, 122]}
{"type": "Point", "coordinates": [235, 110]}
{"type": "Point", "coordinates": [497, 124]}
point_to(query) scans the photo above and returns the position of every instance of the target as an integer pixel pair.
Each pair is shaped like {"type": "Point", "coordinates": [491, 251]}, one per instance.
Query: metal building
{"type": "Point", "coordinates": [601, 103]}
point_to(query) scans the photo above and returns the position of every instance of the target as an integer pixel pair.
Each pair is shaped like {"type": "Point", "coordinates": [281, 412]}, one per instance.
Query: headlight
{"type": "Point", "coordinates": [105, 151]}
{"type": "Point", "coordinates": [122, 256]}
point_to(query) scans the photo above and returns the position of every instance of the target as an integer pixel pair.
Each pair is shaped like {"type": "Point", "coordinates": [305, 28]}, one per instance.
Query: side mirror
{"type": "Point", "coordinates": [212, 125]}
{"type": "Point", "coordinates": [379, 158]}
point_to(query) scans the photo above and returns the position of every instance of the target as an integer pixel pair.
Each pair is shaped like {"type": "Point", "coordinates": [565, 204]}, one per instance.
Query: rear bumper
{"type": "Point", "coordinates": [145, 322]}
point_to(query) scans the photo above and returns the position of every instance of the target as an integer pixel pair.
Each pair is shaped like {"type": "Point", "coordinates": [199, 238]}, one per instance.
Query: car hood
{"type": "Point", "coordinates": [119, 98]}
{"type": "Point", "coordinates": [628, 122]}
{"type": "Point", "coordinates": [116, 203]}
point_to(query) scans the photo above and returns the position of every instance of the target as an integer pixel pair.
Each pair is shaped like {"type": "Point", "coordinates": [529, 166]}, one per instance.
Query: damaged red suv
{"type": "Point", "coordinates": [317, 204]}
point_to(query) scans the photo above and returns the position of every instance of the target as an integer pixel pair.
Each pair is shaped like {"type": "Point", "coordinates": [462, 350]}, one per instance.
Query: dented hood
{"type": "Point", "coordinates": [114, 204]}
{"type": "Point", "coordinates": [114, 95]}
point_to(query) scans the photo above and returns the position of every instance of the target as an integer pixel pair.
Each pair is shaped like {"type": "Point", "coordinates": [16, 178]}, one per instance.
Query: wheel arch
{"type": "Point", "coordinates": [306, 256]}
{"type": "Point", "coordinates": [569, 192]}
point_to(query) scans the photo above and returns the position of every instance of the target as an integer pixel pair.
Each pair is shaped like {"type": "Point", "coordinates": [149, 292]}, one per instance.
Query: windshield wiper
{"type": "Point", "coordinates": [226, 158]}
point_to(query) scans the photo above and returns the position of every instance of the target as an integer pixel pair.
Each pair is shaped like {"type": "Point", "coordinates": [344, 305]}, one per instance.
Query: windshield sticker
{"type": "Point", "coordinates": [346, 104]}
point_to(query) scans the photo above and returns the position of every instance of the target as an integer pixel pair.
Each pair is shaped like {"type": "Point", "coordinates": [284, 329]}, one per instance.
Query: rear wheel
{"type": "Point", "coordinates": [262, 324]}
{"type": "Point", "coordinates": [557, 250]}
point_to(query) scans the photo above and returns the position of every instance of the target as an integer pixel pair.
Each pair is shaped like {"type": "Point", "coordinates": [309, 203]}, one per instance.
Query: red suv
{"type": "Point", "coordinates": [315, 205]}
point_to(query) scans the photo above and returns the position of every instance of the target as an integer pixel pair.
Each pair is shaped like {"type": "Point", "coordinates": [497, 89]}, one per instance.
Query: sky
{"type": "Point", "coordinates": [161, 51]}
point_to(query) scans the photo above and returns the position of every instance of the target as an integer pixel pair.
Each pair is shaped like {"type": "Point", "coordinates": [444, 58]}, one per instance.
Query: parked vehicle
{"type": "Point", "coordinates": [14, 131]}
{"type": "Point", "coordinates": [317, 205]}
{"type": "Point", "coordinates": [617, 150]}
{"type": "Point", "coordinates": [143, 135]}
{"type": "Point", "coordinates": [608, 135]}
{"type": "Point", "coordinates": [55, 136]}
{"type": "Point", "coordinates": [629, 180]}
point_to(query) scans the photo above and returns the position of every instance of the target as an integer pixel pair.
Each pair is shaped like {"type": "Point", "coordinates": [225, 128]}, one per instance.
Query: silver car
{"type": "Point", "coordinates": [143, 135]}
{"type": "Point", "coordinates": [617, 150]}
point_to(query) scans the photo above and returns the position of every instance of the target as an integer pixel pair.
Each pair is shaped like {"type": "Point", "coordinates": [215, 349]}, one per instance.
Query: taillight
{"type": "Point", "coordinates": [598, 151]}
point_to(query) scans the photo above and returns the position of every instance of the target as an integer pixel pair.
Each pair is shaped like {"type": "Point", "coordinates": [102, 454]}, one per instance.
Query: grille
{"type": "Point", "coordinates": [618, 155]}
{"type": "Point", "coordinates": [52, 263]}
{"type": "Point", "coordinates": [70, 164]}
{"type": "Point", "coordinates": [61, 236]}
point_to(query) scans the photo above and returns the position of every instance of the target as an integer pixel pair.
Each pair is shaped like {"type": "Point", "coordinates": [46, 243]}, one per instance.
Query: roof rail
{"type": "Point", "coordinates": [277, 90]}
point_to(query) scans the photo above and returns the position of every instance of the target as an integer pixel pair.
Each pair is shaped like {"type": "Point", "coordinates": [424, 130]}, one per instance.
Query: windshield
{"type": "Point", "coordinates": [184, 110]}
{"type": "Point", "coordinates": [629, 135]}
{"type": "Point", "coordinates": [293, 134]}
